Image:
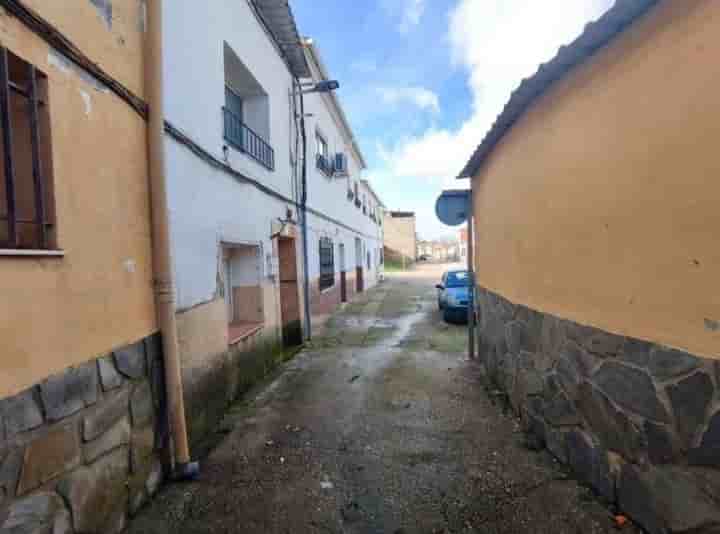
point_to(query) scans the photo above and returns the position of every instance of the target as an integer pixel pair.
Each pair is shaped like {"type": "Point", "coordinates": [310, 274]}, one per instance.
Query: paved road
{"type": "Point", "coordinates": [381, 426]}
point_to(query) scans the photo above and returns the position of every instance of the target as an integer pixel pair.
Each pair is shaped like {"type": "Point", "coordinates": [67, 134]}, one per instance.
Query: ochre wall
{"type": "Point", "coordinates": [58, 312]}
{"type": "Point", "coordinates": [399, 238]}
{"type": "Point", "coordinates": [602, 204]}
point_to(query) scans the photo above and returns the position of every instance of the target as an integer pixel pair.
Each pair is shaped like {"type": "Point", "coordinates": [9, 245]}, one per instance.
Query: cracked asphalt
{"type": "Point", "coordinates": [381, 425]}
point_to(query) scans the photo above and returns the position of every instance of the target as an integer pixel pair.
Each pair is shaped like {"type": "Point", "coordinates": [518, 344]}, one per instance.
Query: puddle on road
{"type": "Point", "coordinates": [377, 356]}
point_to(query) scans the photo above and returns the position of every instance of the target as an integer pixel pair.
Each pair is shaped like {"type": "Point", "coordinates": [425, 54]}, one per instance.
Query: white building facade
{"type": "Point", "coordinates": [234, 158]}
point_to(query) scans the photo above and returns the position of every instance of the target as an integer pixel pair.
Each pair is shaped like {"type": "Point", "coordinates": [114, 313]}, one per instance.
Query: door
{"type": "Point", "coordinates": [359, 281]}
{"type": "Point", "coordinates": [227, 275]}
{"type": "Point", "coordinates": [343, 274]}
{"type": "Point", "coordinates": [289, 296]}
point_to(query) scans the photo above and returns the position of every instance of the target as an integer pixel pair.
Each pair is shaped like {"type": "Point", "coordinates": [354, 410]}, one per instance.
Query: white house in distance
{"type": "Point", "coordinates": [234, 155]}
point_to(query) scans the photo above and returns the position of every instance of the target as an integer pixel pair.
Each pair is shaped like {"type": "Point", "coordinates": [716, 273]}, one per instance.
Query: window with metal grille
{"type": "Point", "coordinates": [327, 263]}
{"type": "Point", "coordinates": [26, 186]}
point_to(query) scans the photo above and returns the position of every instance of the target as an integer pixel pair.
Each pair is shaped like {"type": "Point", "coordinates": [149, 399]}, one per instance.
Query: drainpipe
{"type": "Point", "coordinates": [162, 259]}
{"type": "Point", "coordinates": [303, 209]}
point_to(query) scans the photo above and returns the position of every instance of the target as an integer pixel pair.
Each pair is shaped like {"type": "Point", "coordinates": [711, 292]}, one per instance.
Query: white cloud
{"type": "Point", "coordinates": [498, 42]}
{"type": "Point", "coordinates": [417, 96]}
{"type": "Point", "coordinates": [412, 12]}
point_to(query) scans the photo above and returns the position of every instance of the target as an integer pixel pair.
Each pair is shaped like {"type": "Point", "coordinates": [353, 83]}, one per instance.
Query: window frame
{"type": "Point", "coordinates": [322, 157]}
{"type": "Point", "coordinates": [326, 261]}
{"type": "Point", "coordinates": [238, 99]}
{"type": "Point", "coordinates": [34, 95]}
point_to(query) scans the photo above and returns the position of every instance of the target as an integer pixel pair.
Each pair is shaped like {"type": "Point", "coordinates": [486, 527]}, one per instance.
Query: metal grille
{"type": "Point", "coordinates": [324, 165]}
{"type": "Point", "coordinates": [24, 203]}
{"type": "Point", "coordinates": [241, 136]}
{"type": "Point", "coordinates": [327, 263]}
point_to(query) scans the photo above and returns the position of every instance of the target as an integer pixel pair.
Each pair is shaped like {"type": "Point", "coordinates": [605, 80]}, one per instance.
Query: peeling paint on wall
{"type": "Point", "coordinates": [130, 265]}
{"type": "Point", "coordinates": [87, 100]}
{"type": "Point", "coordinates": [104, 8]}
{"type": "Point", "coordinates": [142, 17]}
{"type": "Point", "coordinates": [64, 65]}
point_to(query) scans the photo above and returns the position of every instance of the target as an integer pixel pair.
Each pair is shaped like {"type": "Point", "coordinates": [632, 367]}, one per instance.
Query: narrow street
{"type": "Point", "coordinates": [380, 426]}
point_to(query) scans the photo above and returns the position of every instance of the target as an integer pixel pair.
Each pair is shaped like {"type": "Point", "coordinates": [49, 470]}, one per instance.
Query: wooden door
{"type": "Point", "coordinates": [289, 296]}
{"type": "Point", "coordinates": [343, 274]}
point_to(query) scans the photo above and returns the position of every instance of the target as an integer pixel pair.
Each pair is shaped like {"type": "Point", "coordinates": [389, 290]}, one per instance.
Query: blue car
{"type": "Point", "coordinates": [454, 295]}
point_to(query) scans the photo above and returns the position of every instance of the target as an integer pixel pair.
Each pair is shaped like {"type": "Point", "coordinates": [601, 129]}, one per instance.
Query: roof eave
{"type": "Point", "coordinates": [280, 22]}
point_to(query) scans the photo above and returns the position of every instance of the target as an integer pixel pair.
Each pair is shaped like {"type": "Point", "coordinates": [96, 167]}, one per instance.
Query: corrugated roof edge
{"type": "Point", "coordinates": [277, 16]}
{"type": "Point", "coordinates": [595, 36]}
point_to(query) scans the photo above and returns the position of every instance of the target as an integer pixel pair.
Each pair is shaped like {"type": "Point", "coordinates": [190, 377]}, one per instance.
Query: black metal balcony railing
{"type": "Point", "coordinates": [324, 165]}
{"type": "Point", "coordinates": [240, 136]}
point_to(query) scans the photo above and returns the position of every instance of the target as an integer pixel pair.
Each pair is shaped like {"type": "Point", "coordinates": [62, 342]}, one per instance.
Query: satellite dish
{"type": "Point", "coordinates": [453, 207]}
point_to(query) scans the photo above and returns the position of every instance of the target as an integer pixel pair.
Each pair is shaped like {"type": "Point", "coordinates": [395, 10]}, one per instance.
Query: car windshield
{"type": "Point", "coordinates": [457, 279]}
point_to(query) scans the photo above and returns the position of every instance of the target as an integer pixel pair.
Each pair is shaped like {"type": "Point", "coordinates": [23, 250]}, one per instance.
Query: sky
{"type": "Point", "coordinates": [422, 81]}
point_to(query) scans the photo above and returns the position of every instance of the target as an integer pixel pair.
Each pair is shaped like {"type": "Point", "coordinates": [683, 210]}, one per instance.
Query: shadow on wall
{"type": "Point", "coordinates": [231, 374]}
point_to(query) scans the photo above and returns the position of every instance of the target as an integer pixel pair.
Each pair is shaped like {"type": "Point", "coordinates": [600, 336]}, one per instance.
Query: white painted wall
{"type": "Point", "coordinates": [208, 207]}
{"type": "Point", "coordinates": [194, 75]}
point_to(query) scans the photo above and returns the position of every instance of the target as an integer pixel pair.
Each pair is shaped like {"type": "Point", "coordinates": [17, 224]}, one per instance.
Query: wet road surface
{"type": "Point", "coordinates": [380, 426]}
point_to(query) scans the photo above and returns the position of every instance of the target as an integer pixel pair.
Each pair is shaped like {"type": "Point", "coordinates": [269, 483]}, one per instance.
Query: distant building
{"type": "Point", "coordinates": [400, 236]}
{"type": "Point", "coordinates": [425, 249]}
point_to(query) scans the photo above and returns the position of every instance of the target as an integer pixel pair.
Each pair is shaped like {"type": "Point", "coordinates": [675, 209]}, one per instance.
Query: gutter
{"type": "Point", "coordinates": [164, 283]}
{"type": "Point", "coordinates": [304, 210]}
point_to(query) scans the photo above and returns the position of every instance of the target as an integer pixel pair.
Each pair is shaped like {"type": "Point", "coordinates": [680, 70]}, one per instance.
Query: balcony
{"type": "Point", "coordinates": [240, 136]}
{"type": "Point", "coordinates": [324, 165]}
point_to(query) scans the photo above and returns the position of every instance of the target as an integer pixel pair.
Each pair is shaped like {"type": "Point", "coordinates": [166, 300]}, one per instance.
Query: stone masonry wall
{"type": "Point", "coordinates": [637, 422]}
{"type": "Point", "coordinates": [78, 452]}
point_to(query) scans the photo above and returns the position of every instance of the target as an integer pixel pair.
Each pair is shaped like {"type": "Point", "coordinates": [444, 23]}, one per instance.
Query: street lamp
{"type": "Point", "coordinates": [323, 86]}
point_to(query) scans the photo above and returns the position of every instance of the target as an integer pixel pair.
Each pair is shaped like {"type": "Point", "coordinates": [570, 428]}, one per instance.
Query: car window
{"type": "Point", "coordinates": [457, 279]}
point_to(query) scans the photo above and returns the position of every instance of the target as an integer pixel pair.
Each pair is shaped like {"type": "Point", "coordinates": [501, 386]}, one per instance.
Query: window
{"type": "Point", "coordinates": [242, 272]}
{"type": "Point", "coordinates": [327, 263]}
{"type": "Point", "coordinates": [26, 185]}
{"type": "Point", "coordinates": [457, 279]}
{"type": "Point", "coordinates": [246, 114]}
{"type": "Point", "coordinates": [357, 196]}
{"type": "Point", "coordinates": [323, 154]}
{"type": "Point", "coordinates": [234, 103]}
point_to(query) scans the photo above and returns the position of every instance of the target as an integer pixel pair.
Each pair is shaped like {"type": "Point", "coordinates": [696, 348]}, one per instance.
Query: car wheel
{"type": "Point", "coordinates": [447, 316]}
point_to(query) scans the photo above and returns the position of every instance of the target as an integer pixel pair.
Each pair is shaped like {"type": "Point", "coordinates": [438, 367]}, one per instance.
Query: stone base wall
{"type": "Point", "coordinates": [79, 451]}
{"type": "Point", "coordinates": [637, 422]}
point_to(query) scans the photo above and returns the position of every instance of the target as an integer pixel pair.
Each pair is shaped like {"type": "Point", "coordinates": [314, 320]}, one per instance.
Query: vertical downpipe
{"type": "Point", "coordinates": [303, 205]}
{"type": "Point", "coordinates": [471, 274]}
{"type": "Point", "coordinates": [162, 260]}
